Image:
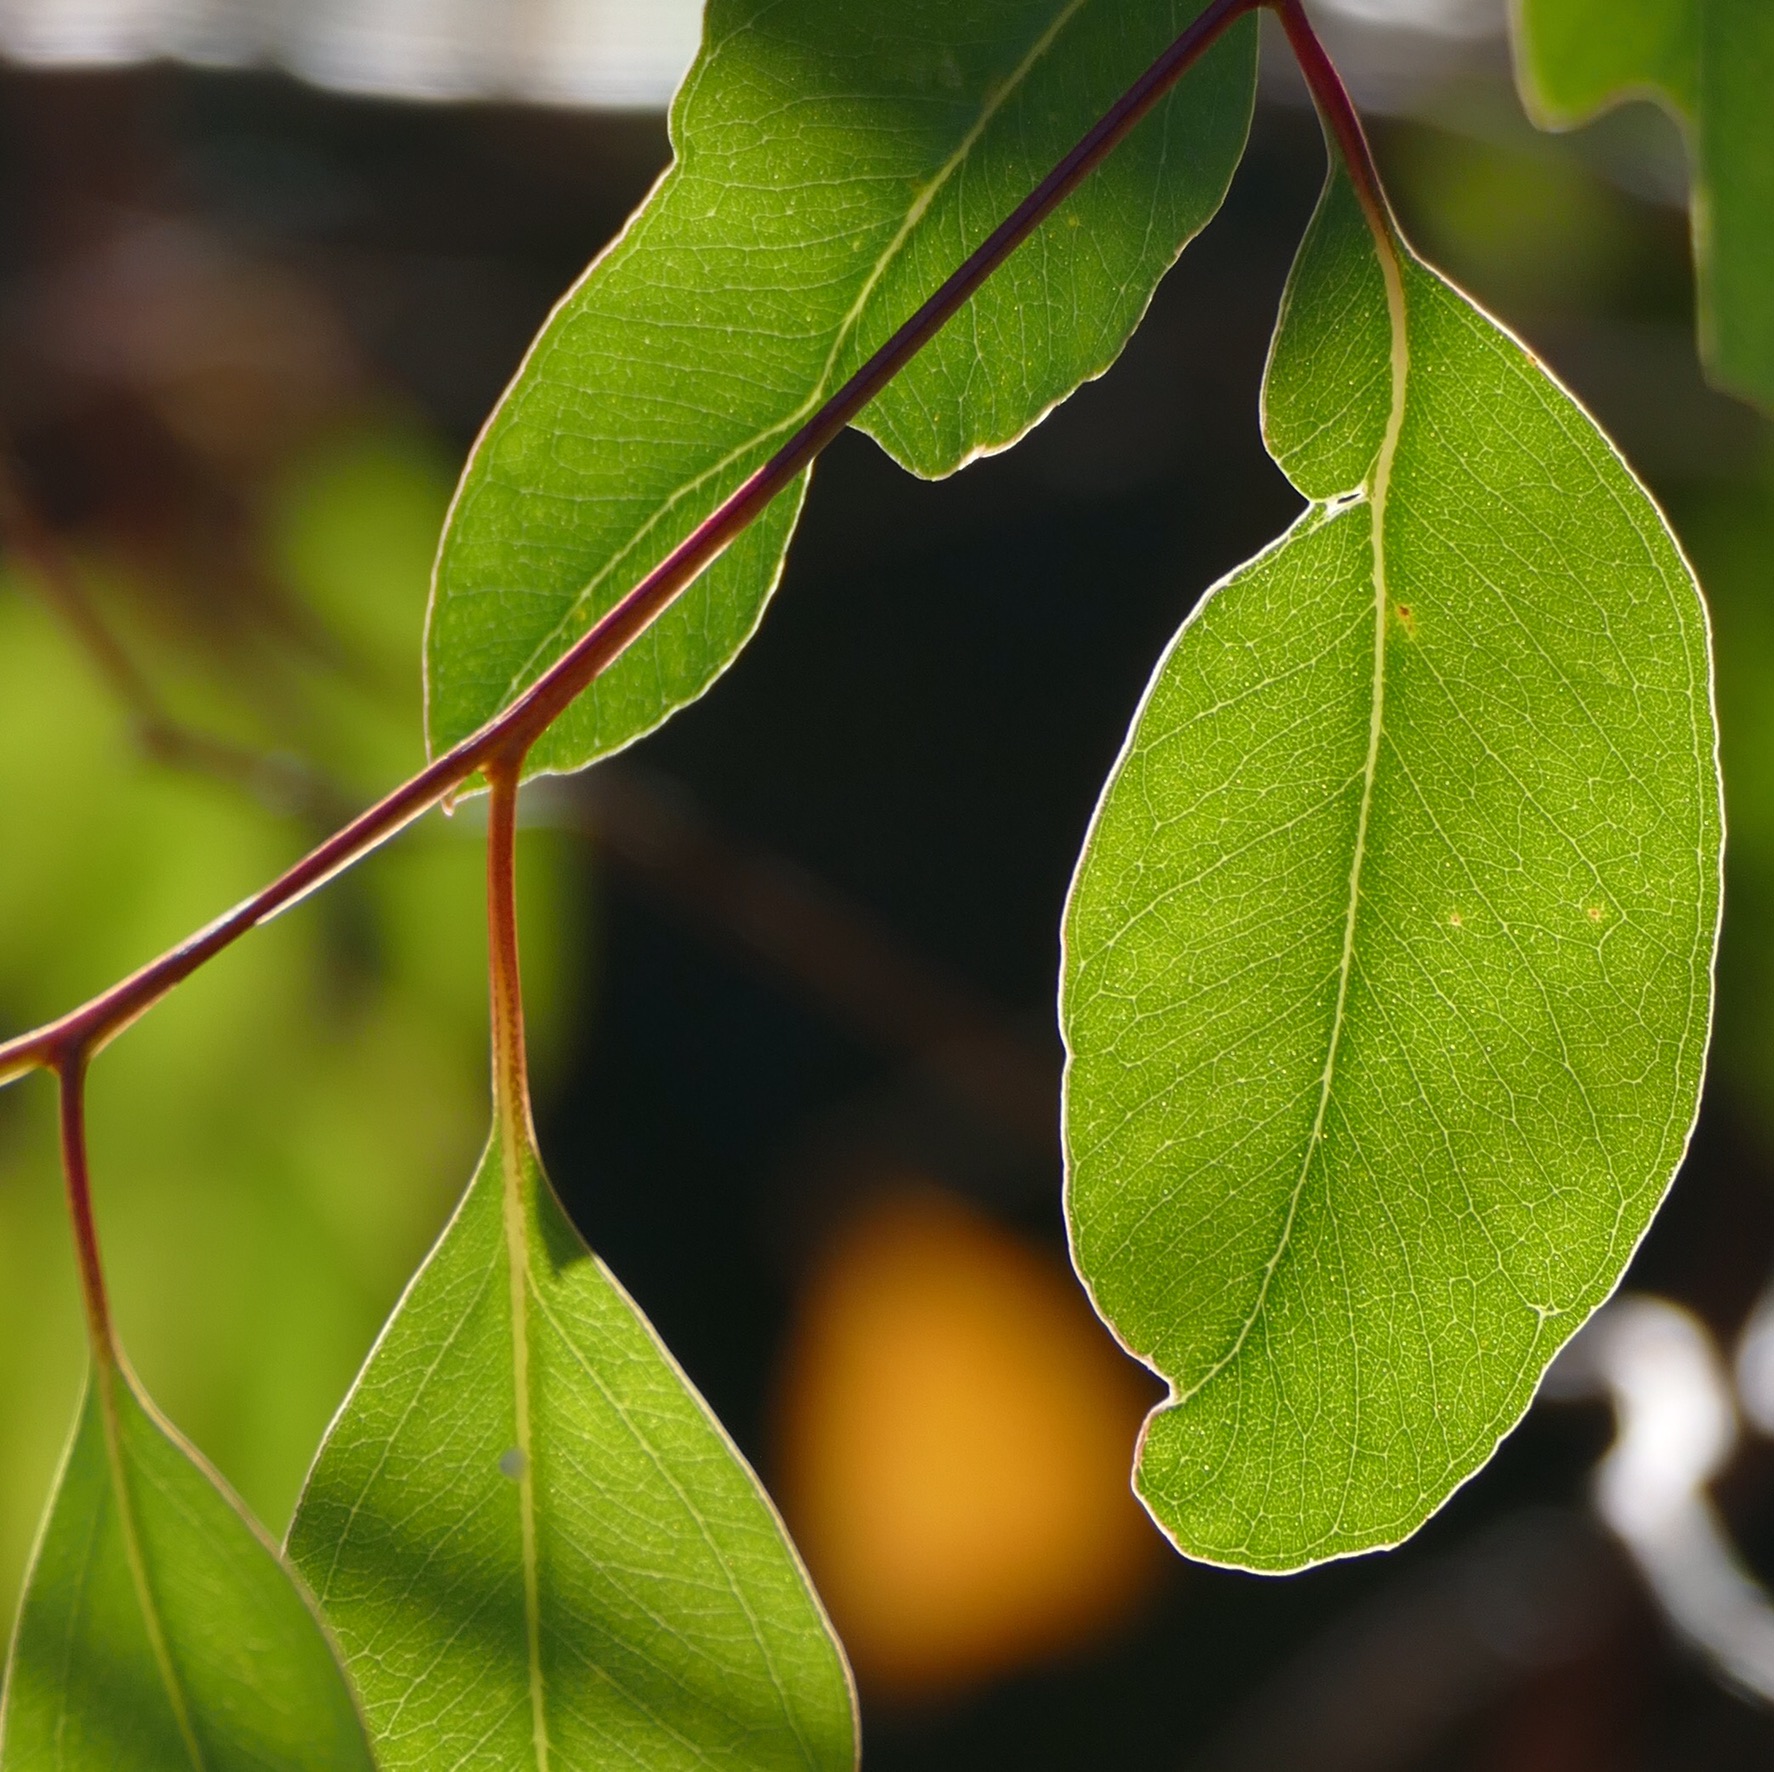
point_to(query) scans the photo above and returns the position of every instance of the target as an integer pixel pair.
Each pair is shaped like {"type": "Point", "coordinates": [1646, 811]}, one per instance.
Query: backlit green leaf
{"type": "Point", "coordinates": [277, 1144]}
{"type": "Point", "coordinates": [537, 1546]}
{"type": "Point", "coordinates": [160, 1629]}
{"type": "Point", "coordinates": [1711, 62]}
{"type": "Point", "coordinates": [1387, 971]}
{"type": "Point", "coordinates": [834, 163]}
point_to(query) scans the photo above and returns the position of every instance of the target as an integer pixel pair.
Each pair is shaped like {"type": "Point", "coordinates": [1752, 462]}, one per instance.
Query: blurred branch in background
{"type": "Point", "coordinates": [1533, 1592]}
{"type": "Point", "coordinates": [837, 956]}
{"type": "Point", "coordinates": [217, 522]}
{"type": "Point", "coordinates": [281, 781]}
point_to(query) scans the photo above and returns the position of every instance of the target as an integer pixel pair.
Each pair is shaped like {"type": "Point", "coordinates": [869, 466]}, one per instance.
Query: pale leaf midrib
{"type": "Point", "coordinates": [648, 1450]}
{"type": "Point", "coordinates": [517, 1261]}
{"type": "Point", "coordinates": [1379, 489]}
{"type": "Point", "coordinates": [106, 1377]}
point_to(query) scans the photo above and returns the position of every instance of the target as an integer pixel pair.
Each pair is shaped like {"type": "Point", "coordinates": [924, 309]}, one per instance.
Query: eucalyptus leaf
{"type": "Point", "coordinates": [835, 161]}
{"type": "Point", "coordinates": [536, 1544]}
{"type": "Point", "coordinates": [1388, 960]}
{"type": "Point", "coordinates": [159, 1627]}
{"type": "Point", "coordinates": [1711, 63]}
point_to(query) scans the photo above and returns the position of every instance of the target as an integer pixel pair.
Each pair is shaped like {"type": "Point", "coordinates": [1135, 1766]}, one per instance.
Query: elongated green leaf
{"type": "Point", "coordinates": [834, 163]}
{"type": "Point", "coordinates": [537, 1547]}
{"type": "Point", "coordinates": [1577, 57]}
{"type": "Point", "coordinates": [1710, 62]}
{"type": "Point", "coordinates": [1388, 960]}
{"type": "Point", "coordinates": [160, 1629]}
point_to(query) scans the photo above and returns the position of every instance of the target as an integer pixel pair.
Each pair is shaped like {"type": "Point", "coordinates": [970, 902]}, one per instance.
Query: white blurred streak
{"type": "Point", "coordinates": [1755, 1365]}
{"type": "Point", "coordinates": [631, 53]}
{"type": "Point", "coordinates": [1395, 55]}
{"type": "Point", "coordinates": [94, 33]}
{"type": "Point", "coordinates": [616, 54]}
{"type": "Point", "coordinates": [1433, 18]}
{"type": "Point", "coordinates": [1676, 1430]}
{"type": "Point", "coordinates": [1677, 1427]}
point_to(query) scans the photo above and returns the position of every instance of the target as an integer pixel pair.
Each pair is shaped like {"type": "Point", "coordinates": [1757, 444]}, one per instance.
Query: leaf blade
{"type": "Point", "coordinates": [159, 1626]}
{"type": "Point", "coordinates": [771, 257]}
{"type": "Point", "coordinates": [1574, 58]}
{"type": "Point", "coordinates": [1350, 1199]}
{"type": "Point", "coordinates": [1734, 155]}
{"type": "Point", "coordinates": [605, 1578]}
{"type": "Point", "coordinates": [1711, 64]}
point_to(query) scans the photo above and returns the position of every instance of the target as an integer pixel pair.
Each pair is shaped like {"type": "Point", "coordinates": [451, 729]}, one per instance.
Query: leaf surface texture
{"type": "Point", "coordinates": [536, 1545]}
{"type": "Point", "coordinates": [834, 162]}
{"type": "Point", "coordinates": [160, 1629]}
{"type": "Point", "coordinates": [1388, 959]}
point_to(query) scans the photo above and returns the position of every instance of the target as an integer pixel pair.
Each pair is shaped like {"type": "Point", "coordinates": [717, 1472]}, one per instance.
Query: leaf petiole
{"type": "Point", "coordinates": [71, 1080]}
{"type": "Point", "coordinates": [516, 1138]}
{"type": "Point", "coordinates": [1342, 125]}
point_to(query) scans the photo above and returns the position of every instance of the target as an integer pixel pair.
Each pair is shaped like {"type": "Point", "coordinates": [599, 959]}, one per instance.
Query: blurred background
{"type": "Point", "coordinates": [263, 270]}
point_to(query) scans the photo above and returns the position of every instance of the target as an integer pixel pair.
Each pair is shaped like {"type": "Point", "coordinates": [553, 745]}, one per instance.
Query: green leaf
{"type": "Point", "coordinates": [279, 1141]}
{"type": "Point", "coordinates": [1577, 57]}
{"type": "Point", "coordinates": [1711, 63]}
{"type": "Point", "coordinates": [536, 1544]}
{"type": "Point", "coordinates": [1388, 959]}
{"type": "Point", "coordinates": [834, 163]}
{"type": "Point", "coordinates": [160, 1628]}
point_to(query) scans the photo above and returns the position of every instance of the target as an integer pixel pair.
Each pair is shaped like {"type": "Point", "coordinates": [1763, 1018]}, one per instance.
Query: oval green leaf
{"type": "Point", "coordinates": [537, 1546]}
{"type": "Point", "coordinates": [1710, 63]}
{"type": "Point", "coordinates": [835, 161]}
{"type": "Point", "coordinates": [159, 1628]}
{"type": "Point", "coordinates": [1388, 960]}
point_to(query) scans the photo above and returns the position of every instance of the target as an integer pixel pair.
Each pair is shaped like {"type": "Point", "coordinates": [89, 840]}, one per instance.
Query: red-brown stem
{"type": "Point", "coordinates": [1341, 121]}
{"type": "Point", "coordinates": [72, 1081]}
{"type": "Point", "coordinates": [511, 1091]}
{"type": "Point", "coordinates": [84, 1030]}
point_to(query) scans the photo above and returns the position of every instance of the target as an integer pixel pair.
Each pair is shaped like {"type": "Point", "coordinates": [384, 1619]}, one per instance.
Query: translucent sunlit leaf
{"type": "Point", "coordinates": [160, 1628]}
{"type": "Point", "coordinates": [536, 1544]}
{"type": "Point", "coordinates": [1388, 960]}
{"type": "Point", "coordinates": [834, 164]}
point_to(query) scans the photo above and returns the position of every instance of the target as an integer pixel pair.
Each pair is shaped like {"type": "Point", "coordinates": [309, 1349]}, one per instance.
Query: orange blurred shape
{"type": "Point", "coordinates": [955, 1433]}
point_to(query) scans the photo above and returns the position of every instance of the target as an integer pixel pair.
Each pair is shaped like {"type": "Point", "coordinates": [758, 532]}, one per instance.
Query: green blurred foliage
{"type": "Point", "coordinates": [1533, 227]}
{"type": "Point", "coordinates": [1729, 532]}
{"type": "Point", "coordinates": [1711, 64]}
{"type": "Point", "coordinates": [276, 1144]}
